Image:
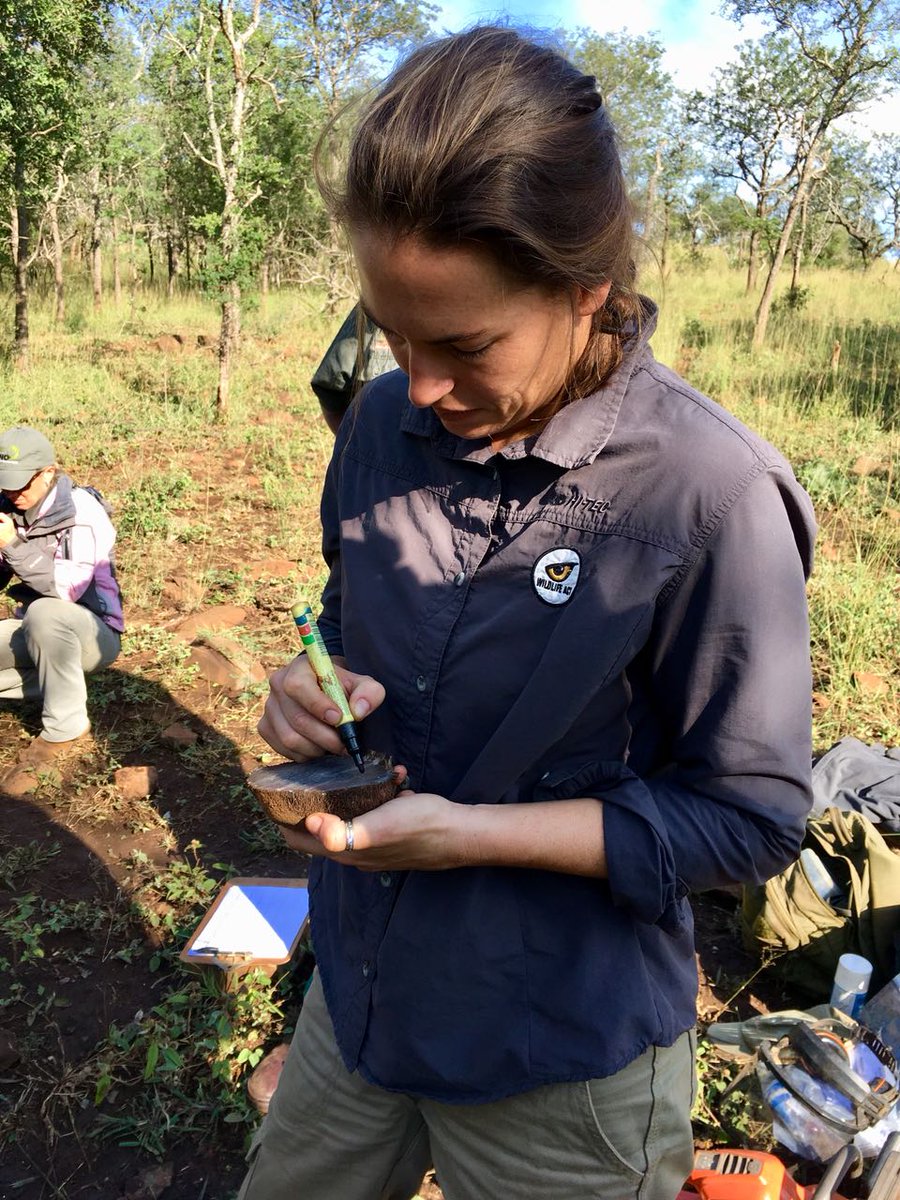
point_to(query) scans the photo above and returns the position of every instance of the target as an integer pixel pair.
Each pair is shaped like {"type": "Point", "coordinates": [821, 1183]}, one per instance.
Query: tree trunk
{"type": "Point", "coordinates": [20, 260]}
{"type": "Point", "coordinates": [753, 250]}
{"type": "Point", "coordinates": [133, 258]}
{"type": "Point", "coordinates": [150, 254]}
{"type": "Point", "coordinates": [752, 259]}
{"type": "Point", "coordinates": [664, 244]}
{"type": "Point", "coordinates": [652, 198]}
{"type": "Point", "coordinates": [797, 249]}
{"type": "Point", "coordinates": [96, 257]}
{"type": "Point", "coordinates": [59, 314]}
{"type": "Point", "coordinates": [117, 270]}
{"type": "Point", "coordinates": [171, 263]}
{"type": "Point", "coordinates": [228, 338]}
{"type": "Point", "coordinates": [187, 255]}
{"type": "Point", "coordinates": [797, 201]}
{"type": "Point", "coordinates": [264, 279]}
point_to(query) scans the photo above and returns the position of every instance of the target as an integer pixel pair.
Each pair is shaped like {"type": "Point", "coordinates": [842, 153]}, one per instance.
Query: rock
{"type": "Point", "coordinates": [867, 465]}
{"type": "Point", "coordinates": [178, 736]}
{"type": "Point", "coordinates": [150, 1183]}
{"type": "Point", "coordinates": [18, 781]}
{"type": "Point", "coordinates": [167, 343]}
{"type": "Point", "coordinates": [224, 662]}
{"type": "Point", "coordinates": [290, 791]}
{"type": "Point", "coordinates": [273, 568]}
{"type": "Point", "coordinates": [820, 702]}
{"type": "Point", "coordinates": [136, 783]}
{"type": "Point", "coordinates": [211, 620]}
{"type": "Point", "coordinates": [183, 592]}
{"type": "Point", "coordinates": [870, 683]}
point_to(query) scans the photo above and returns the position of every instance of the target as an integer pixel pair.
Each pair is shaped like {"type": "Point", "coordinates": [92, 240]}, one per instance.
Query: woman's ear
{"type": "Point", "coordinates": [591, 300]}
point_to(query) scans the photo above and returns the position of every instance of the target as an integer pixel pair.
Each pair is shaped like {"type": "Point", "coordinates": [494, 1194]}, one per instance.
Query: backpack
{"type": "Point", "coordinates": [788, 918]}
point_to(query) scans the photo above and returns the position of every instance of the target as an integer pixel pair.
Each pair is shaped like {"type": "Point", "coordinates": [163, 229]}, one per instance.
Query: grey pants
{"type": "Point", "coordinates": [329, 1135]}
{"type": "Point", "coordinates": [46, 655]}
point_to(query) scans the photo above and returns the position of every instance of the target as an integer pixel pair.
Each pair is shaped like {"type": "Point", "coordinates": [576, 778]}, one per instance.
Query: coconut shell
{"type": "Point", "coordinates": [291, 791]}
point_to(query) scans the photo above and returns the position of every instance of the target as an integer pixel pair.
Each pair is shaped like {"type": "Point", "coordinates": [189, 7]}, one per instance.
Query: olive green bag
{"type": "Point", "coordinates": [787, 919]}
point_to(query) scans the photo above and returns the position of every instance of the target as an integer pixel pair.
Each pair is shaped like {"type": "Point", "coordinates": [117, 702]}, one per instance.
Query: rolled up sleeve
{"type": "Point", "coordinates": [727, 670]}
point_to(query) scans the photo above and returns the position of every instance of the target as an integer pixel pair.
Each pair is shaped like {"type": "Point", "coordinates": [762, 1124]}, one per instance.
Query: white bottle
{"type": "Point", "coordinates": [851, 982]}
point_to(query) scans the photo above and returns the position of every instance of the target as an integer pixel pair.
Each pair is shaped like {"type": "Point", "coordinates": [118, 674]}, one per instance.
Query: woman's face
{"type": "Point", "coordinates": [487, 354]}
{"type": "Point", "coordinates": [34, 490]}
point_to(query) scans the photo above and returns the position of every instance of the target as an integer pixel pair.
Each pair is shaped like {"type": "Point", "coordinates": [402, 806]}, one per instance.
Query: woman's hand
{"type": "Point", "coordinates": [300, 721]}
{"type": "Point", "coordinates": [417, 831]}
{"type": "Point", "coordinates": [8, 532]}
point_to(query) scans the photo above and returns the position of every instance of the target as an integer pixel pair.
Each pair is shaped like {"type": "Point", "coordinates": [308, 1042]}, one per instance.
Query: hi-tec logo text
{"type": "Point", "coordinates": [555, 575]}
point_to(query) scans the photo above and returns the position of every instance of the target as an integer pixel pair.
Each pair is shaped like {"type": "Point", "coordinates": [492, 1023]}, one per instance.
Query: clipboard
{"type": "Point", "coordinates": [254, 924]}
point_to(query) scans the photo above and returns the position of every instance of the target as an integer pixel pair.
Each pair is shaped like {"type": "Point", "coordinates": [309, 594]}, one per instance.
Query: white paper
{"type": "Point", "coordinates": [254, 919]}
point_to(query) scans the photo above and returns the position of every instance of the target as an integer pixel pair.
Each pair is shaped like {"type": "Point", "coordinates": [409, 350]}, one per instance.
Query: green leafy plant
{"type": "Point", "coordinates": [794, 300]}
{"type": "Point", "coordinates": [145, 509]}
{"type": "Point", "coordinates": [722, 1117]}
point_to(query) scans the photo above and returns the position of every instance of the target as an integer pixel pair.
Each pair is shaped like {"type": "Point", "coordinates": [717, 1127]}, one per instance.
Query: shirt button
{"type": "Point", "coordinates": [365, 970]}
{"type": "Point", "coordinates": [421, 683]}
{"type": "Point", "coordinates": [386, 879]}
{"type": "Point", "coordinates": [460, 579]}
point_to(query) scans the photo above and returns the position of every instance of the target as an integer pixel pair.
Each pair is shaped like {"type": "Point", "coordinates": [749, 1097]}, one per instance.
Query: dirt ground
{"type": "Point", "coordinates": [84, 839]}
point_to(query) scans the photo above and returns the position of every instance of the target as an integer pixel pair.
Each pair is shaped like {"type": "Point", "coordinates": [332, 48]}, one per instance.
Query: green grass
{"type": "Point", "coordinates": [824, 419]}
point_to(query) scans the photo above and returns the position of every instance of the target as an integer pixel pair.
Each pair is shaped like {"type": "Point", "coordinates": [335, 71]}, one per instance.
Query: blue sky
{"type": "Point", "coordinates": [697, 38]}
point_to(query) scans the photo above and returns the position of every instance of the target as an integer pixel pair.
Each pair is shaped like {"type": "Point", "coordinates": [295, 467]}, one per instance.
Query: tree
{"type": "Point", "coordinates": [863, 194]}
{"type": "Point", "coordinates": [226, 48]}
{"type": "Point", "coordinates": [241, 59]}
{"type": "Point", "coordinates": [43, 46]}
{"type": "Point", "coordinates": [749, 118]}
{"type": "Point", "coordinates": [344, 43]}
{"type": "Point", "coordinates": [678, 164]}
{"type": "Point", "coordinates": [849, 49]}
{"type": "Point", "coordinates": [642, 101]}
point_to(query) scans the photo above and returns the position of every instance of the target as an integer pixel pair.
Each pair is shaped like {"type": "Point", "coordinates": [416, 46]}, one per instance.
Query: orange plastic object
{"type": "Point", "coordinates": [742, 1175]}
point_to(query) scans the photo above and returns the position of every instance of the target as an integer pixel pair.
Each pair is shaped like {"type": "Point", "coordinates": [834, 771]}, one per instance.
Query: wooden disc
{"type": "Point", "coordinates": [291, 791]}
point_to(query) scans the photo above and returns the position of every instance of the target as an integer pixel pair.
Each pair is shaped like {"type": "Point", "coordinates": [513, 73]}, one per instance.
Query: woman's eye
{"type": "Point", "coordinates": [470, 354]}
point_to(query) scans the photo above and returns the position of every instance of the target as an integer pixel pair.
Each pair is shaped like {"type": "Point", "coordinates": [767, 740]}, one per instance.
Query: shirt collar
{"type": "Point", "coordinates": [573, 437]}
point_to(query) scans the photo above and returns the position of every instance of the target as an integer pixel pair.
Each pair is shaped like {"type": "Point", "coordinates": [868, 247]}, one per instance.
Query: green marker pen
{"type": "Point", "coordinates": [320, 661]}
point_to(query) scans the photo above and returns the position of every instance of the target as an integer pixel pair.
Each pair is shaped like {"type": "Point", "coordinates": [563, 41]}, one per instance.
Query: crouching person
{"type": "Point", "coordinates": [56, 552]}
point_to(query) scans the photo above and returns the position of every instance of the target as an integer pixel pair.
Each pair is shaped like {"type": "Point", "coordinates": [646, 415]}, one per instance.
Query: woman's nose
{"type": "Point", "coordinates": [428, 382]}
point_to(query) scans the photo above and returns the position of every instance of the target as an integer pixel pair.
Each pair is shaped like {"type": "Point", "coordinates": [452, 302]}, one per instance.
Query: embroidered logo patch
{"type": "Point", "coordinates": [555, 575]}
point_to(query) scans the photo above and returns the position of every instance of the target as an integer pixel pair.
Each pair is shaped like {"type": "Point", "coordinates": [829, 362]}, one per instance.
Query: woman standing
{"type": "Point", "coordinates": [568, 593]}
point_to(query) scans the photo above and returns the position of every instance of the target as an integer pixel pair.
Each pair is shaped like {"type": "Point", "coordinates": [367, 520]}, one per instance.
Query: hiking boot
{"type": "Point", "coordinates": [40, 751]}
{"type": "Point", "coordinates": [262, 1083]}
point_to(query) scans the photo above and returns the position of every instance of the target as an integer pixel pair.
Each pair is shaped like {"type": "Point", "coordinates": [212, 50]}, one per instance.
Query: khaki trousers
{"type": "Point", "coordinates": [45, 656]}
{"type": "Point", "coordinates": [329, 1135]}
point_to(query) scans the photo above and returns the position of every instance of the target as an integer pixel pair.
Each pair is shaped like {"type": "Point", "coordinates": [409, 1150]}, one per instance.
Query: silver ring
{"type": "Point", "coordinates": [348, 827]}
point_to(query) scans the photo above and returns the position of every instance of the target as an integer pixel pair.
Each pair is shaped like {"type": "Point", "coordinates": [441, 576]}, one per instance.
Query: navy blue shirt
{"type": "Point", "coordinates": [615, 609]}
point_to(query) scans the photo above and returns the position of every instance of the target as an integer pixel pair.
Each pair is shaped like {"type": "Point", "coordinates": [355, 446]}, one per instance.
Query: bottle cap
{"type": "Point", "coordinates": [853, 973]}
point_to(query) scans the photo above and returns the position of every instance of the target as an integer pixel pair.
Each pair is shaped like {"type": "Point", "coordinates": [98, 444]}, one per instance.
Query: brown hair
{"type": "Point", "coordinates": [488, 138]}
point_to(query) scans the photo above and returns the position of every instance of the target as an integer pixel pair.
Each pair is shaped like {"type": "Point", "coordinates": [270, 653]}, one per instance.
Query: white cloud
{"type": "Point", "coordinates": [696, 37]}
